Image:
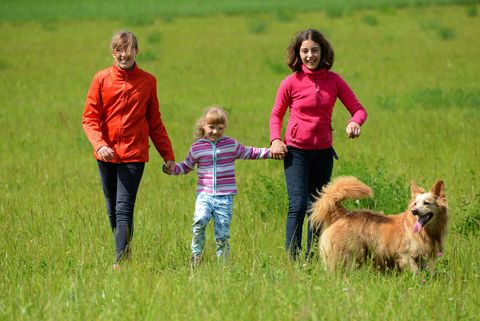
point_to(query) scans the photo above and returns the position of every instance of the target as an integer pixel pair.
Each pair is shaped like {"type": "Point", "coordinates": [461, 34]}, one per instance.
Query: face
{"type": "Point", "coordinates": [428, 206]}
{"type": "Point", "coordinates": [123, 60]}
{"type": "Point", "coordinates": [310, 54]}
{"type": "Point", "coordinates": [425, 208]}
{"type": "Point", "coordinates": [213, 132]}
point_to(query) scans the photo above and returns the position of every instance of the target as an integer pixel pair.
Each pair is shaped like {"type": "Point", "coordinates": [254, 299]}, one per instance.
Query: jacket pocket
{"type": "Point", "coordinates": [293, 131]}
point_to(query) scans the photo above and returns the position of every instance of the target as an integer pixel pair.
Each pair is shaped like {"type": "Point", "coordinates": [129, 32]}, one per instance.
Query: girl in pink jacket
{"type": "Point", "coordinates": [310, 93]}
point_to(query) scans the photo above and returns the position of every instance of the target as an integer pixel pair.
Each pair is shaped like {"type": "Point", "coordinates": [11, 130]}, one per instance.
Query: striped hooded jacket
{"type": "Point", "coordinates": [216, 163]}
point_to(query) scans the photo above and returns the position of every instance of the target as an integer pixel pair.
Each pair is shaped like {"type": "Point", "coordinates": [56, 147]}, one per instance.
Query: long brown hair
{"type": "Point", "coordinates": [293, 51]}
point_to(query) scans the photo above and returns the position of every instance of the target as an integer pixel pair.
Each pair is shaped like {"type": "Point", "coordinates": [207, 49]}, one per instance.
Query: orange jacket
{"type": "Point", "coordinates": [122, 111]}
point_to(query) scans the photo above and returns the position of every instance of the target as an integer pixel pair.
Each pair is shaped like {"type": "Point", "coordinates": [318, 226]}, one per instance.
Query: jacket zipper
{"type": "Point", "coordinates": [120, 128]}
{"type": "Point", "coordinates": [214, 150]}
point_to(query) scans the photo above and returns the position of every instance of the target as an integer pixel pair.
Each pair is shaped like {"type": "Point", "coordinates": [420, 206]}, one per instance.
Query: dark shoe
{"type": "Point", "coordinates": [196, 259]}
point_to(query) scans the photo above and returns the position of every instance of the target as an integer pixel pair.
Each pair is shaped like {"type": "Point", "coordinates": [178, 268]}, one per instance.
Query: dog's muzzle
{"type": "Point", "coordinates": [424, 219]}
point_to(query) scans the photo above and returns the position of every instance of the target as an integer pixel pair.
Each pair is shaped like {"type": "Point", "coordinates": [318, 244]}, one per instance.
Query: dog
{"type": "Point", "coordinates": [392, 242]}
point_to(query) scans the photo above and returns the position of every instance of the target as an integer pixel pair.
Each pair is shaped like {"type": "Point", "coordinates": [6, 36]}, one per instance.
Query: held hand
{"type": "Point", "coordinates": [169, 167]}
{"type": "Point", "coordinates": [164, 169]}
{"type": "Point", "coordinates": [106, 153]}
{"type": "Point", "coordinates": [278, 149]}
{"type": "Point", "coordinates": [353, 130]}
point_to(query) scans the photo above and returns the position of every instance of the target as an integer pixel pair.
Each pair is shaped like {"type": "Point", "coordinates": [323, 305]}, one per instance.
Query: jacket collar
{"type": "Point", "coordinates": [315, 74]}
{"type": "Point", "coordinates": [122, 73]}
{"type": "Point", "coordinates": [203, 139]}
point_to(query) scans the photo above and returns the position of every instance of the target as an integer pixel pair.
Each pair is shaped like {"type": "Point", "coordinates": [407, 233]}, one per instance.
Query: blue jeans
{"type": "Point", "coordinates": [220, 208]}
{"type": "Point", "coordinates": [120, 184]}
{"type": "Point", "coordinates": [306, 172]}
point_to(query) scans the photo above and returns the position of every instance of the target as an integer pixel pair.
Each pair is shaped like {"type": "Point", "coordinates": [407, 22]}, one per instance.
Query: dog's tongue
{"type": "Point", "coordinates": [417, 227]}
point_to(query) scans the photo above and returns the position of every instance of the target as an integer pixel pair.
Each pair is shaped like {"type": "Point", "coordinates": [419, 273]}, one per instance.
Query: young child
{"type": "Point", "coordinates": [215, 155]}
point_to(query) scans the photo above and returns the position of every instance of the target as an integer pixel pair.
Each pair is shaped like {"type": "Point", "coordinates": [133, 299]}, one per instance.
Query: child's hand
{"type": "Point", "coordinates": [278, 150]}
{"type": "Point", "coordinates": [277, 156]}
{"type": "Point", "coordinates": [164, 169]}
{"type": "Point", "coordinates": [168, 167]}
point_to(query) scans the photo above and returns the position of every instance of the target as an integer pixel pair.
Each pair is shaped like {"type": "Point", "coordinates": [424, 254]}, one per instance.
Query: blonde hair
{"type": "Point", "coordinates": [124, 40]}
{"type": "Point", "coordinates": [213, 115]}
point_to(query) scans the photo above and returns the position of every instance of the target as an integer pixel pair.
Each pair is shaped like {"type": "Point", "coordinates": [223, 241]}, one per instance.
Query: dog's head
{"type": "Point", "coordinates": [428, 207]}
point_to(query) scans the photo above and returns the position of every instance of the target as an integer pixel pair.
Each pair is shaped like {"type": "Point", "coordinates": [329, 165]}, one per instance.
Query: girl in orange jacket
{"type": "Point", "coordinates": [121, 113]}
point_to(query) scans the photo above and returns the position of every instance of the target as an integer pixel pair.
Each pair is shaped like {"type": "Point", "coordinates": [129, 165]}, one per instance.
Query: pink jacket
{"type": "Point", "coordinates": [311, 96]}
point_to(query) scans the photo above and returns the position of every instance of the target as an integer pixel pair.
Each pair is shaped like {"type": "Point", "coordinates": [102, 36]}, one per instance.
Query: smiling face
{"type": "Point", "coordinates": [310, 54]}
{"type": "Point", "coordinates": [213, 132]}
{"type": "Point", "coordinates": [428, 207]}
{"type": "Point", "coordinates": [123, 58]}
{"type": "Point", "coordinates": [124, 48]}
{"type": "Point", "coordinates": [424, 209]}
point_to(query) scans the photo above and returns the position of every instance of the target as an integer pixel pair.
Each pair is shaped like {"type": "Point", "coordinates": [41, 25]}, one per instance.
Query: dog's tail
{"type": "Point", "coordinates": [328, 208]}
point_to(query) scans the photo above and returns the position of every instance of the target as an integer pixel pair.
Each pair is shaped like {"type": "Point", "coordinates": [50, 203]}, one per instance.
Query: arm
{"type": "Point", "coordinates": [350, 101]}
{"type": "Point", "coordinates": [156, 128]}
{"type": "Point", "coordinates": [184, 167]}
{"type": "Point", "coordinates": [92, 117]}
{"type": "Point", "coordinates": [244, 152]}
{"type": "Point", "coordinates": [282, 101]}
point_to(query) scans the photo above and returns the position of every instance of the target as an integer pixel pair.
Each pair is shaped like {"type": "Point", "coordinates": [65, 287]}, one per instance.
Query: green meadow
{"type": "Point", "coordinates": [415, 66]}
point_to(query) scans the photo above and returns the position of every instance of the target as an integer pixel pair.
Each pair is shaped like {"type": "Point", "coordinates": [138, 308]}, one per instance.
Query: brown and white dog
{"type": "Point", "coordinates": [398, 241]}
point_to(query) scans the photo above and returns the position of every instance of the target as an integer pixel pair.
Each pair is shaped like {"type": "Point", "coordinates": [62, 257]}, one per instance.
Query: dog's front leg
{"type": "Point", "coordinates": [431, 265]}
{"type": "Point", "coordinates": [407, 260]}
{"type": "Point", "coordinates": [413, 265]}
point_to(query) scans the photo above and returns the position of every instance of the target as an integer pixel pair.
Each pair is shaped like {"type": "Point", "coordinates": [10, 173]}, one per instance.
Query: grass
{"type": "Point", "coordinates": [144, 12]}
{"type": "Point", "coordinates": [415, 68]}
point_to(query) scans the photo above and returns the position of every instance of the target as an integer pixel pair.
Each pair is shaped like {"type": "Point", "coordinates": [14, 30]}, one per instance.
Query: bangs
{"type": "Point", "coordinates": [216, 117]}
{"type": "Point", "coordinates": [124, 40]}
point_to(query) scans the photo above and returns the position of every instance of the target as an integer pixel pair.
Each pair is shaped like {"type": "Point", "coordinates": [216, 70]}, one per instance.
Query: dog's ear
{"type": "Point", "coordinates": [415, 189]}
{"type": "Point", "coordinates": [438, 189]}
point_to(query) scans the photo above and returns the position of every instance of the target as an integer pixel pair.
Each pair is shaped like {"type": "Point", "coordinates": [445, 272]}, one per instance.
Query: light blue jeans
{"type": "Point", "coordinates": [220, 208]}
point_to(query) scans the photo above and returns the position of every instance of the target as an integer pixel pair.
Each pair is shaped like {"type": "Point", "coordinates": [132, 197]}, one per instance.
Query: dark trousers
{"type": "Point", "coordinates": [306, 172]}
{"type": "Point", "coordinates": [120, 184]}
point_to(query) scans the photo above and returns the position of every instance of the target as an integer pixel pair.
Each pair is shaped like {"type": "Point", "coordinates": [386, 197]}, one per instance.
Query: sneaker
{"type": "Point", "coordinates": [116, 267]}
{"type": "Point", "coordinates": [196, 259]}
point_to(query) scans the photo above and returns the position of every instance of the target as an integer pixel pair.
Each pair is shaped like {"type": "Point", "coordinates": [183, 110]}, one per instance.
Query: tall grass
{"type": "Point", "coordinates": [421, 92]}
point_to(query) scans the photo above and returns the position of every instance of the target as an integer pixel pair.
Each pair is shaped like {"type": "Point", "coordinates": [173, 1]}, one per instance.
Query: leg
{"type": "Point", "coordinates": [296, 166]}
{"type": "Point", "coordinates": [431, 265]}
{"type": "Point", "coordinates": [129, 176]}
{"type": "Point", "coordinates": [222, 215]}
{"type": "Point", "coordinates": [203, 214]}
{"type": "Point", "coordinates": [320, 174]}
{"type": "Point", "coordinates": [108, 176]}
